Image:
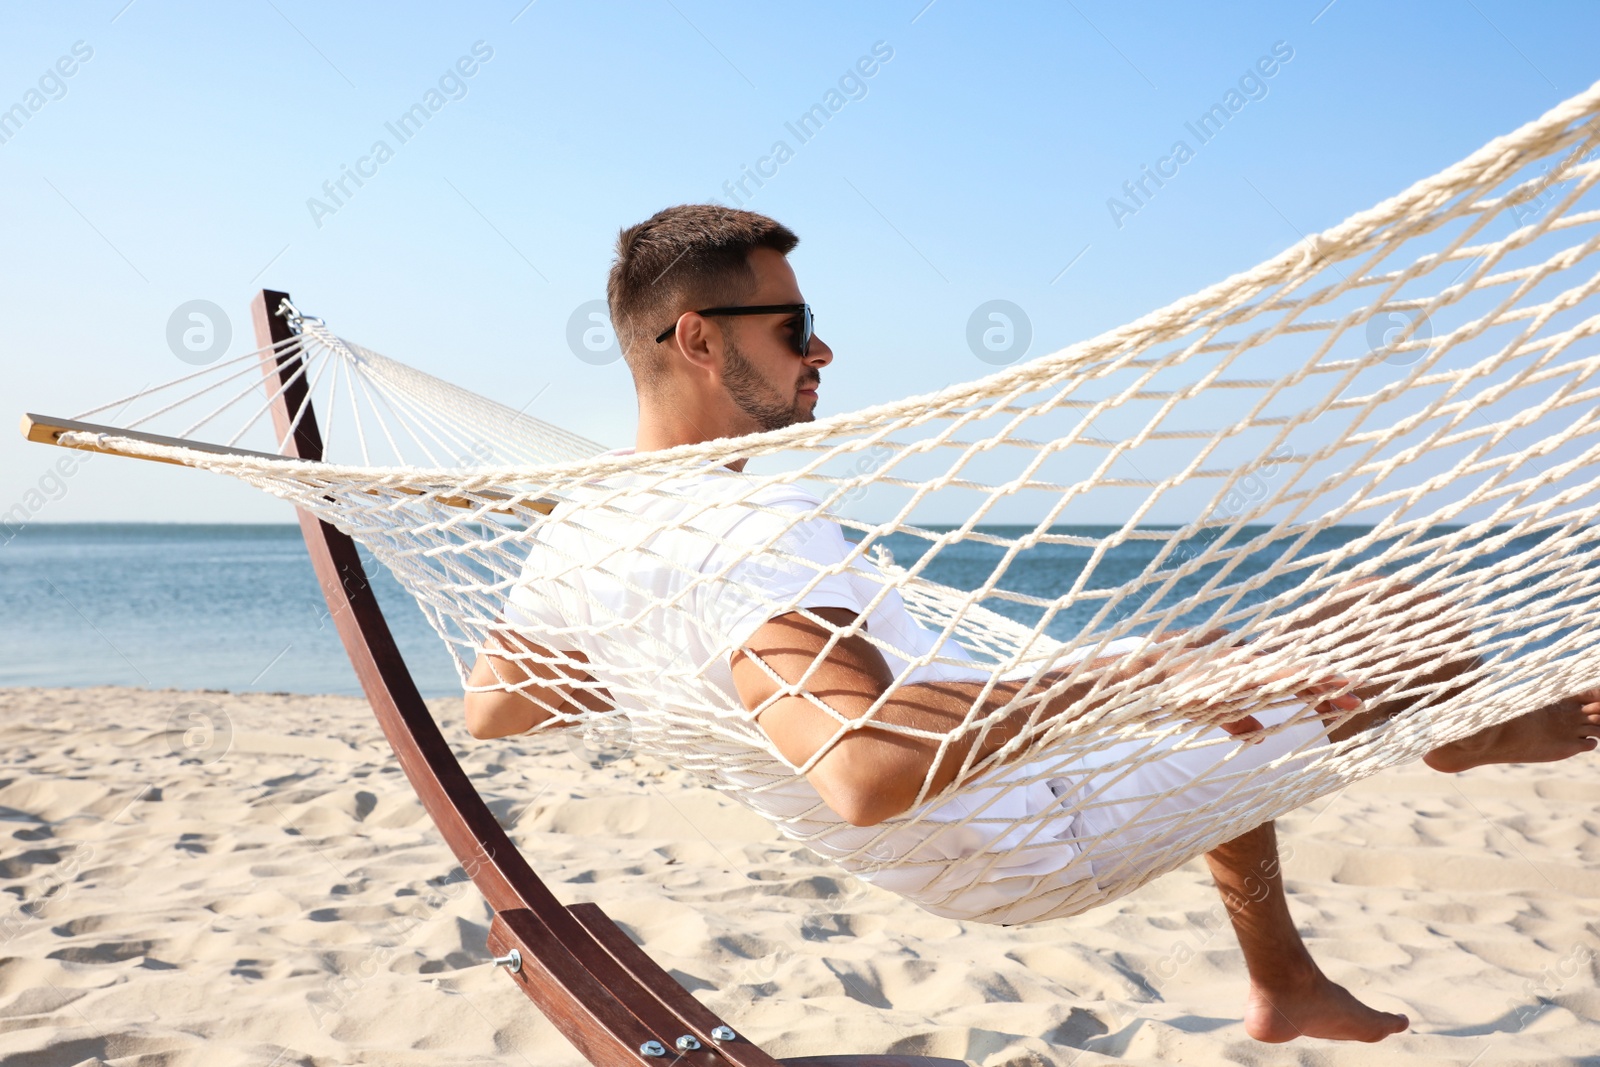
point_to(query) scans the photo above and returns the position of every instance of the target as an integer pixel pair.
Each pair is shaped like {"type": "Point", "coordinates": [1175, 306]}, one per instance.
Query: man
{"type": "Point", "coordinates": [719, 340]}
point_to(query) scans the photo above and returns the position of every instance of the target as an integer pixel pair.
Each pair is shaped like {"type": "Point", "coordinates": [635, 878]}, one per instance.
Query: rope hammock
{"type": "Point", "coordinates": [1408, 397]}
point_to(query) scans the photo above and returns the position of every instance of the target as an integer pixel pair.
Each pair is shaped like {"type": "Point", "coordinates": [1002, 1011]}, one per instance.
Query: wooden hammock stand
{"type": "Point", "coordinates": [605, 995]}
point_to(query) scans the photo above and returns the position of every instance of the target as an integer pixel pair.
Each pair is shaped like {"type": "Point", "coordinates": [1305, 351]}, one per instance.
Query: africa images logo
{"type": "Point", "coordinates": [451, 85]}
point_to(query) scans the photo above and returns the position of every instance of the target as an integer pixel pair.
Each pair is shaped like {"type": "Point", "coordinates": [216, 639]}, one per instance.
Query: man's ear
{"type": "Point", "coordinates": [700, 343]}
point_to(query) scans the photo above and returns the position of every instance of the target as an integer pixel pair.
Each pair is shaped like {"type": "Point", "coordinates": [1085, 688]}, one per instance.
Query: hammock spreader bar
{"type": "Point", "coordinates": [70, 433]}
{"type": "Point", "coordinates": [48, 430]}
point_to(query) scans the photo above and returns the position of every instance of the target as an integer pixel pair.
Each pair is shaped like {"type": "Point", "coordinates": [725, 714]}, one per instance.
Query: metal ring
{"type": "Point", "coordinates": [294, 316]}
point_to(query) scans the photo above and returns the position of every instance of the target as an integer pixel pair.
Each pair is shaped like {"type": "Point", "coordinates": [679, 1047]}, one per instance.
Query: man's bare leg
{"type": "Point", "coordinates": [1566, 728]}
{"type": "Point", "coordinates": [1557, 731]}
{"type": "Point", "coordinates": [1289, 996]}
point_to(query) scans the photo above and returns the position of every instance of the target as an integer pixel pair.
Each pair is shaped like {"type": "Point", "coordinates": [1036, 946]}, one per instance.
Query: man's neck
{"type": "Point", "coordinates": [656, 433]}
{"type": "Point", "coordinates": [640, 446]}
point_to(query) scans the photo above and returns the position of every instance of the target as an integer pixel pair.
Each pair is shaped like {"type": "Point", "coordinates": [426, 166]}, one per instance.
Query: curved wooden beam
{"type": "Point", "coordinates": [600, 990]}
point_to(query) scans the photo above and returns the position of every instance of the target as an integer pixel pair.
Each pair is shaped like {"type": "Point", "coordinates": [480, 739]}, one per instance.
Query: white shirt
{"type": "Point", "coordinates": [658, 582]}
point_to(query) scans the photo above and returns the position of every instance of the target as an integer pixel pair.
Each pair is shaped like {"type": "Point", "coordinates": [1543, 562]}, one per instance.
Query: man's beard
{"type": "Point", "coordinates": [755, 397]}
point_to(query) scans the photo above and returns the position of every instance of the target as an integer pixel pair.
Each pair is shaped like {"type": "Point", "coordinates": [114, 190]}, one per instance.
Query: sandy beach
{"type": "Point", "coordinates": [267, 891]}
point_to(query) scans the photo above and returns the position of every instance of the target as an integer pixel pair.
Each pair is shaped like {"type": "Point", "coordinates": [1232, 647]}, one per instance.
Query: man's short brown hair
{"type": "Point", "coordinates": [685, 257]}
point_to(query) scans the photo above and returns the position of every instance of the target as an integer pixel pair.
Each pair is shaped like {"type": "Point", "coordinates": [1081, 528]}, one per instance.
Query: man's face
{"type": "Point", "coordinates": [762, 373]}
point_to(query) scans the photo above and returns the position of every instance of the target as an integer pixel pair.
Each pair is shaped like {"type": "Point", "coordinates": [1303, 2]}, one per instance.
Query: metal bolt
{"type": "Point", "coordinates": [511, 961]}
{"type": "Point", "coordinates": [687, 1043]}
{"type": "Point", "coordinates": [723, 1033]}
{"type": "Point", "coordinates": [653, 1048]}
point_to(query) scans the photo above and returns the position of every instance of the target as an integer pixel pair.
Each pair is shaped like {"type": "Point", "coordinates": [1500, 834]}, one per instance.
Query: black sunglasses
{"type": "Point", "coordinates": [800, 337]}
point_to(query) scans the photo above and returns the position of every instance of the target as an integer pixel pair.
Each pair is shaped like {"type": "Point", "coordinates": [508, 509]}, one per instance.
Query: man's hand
{"type": "Point", "coordinates": [1328, 695]}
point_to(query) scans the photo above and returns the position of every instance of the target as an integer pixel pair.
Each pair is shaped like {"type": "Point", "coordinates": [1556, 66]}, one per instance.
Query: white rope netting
{"type": "Point", "coordinates": [1369, 458]}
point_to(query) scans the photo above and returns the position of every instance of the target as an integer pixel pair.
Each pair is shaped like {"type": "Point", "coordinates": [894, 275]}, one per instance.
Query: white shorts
{"type": "Point", "coordinates": [1054, 836]}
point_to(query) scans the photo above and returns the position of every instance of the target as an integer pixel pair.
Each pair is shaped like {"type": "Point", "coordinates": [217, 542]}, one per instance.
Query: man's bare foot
{"type": "Point", "coordinates": [1315, 1007]}
{"type": "Point", "coordinates": [1555, 732]}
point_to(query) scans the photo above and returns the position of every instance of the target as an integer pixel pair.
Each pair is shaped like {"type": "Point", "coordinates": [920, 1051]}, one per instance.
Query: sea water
{"type": "Point", "coordinates": [237, 607]}
{"type": "Point", "coordinates": [232, 607]}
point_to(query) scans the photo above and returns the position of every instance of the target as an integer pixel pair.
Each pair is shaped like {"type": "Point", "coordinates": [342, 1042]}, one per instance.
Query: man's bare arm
{"type": "Point", "coordinates": [510, 694]}
{"type": "Point", "coordinates": [869, 774]}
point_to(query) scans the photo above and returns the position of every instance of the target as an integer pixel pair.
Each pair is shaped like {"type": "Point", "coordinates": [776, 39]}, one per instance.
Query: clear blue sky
{"type": "Point", "coordinates": [177, 161]}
